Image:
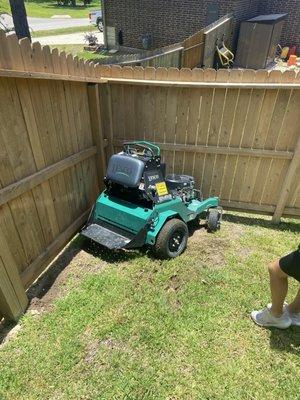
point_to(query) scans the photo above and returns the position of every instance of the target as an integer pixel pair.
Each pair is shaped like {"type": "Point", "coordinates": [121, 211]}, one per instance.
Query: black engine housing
{"type": "Point", "coordinates": [179, 182]}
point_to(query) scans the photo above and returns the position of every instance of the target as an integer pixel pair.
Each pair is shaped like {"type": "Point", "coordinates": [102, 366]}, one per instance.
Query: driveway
{"type": "Point", "coordinates": [44, 24]}
{"type": "Point", "coordinates": [73, 38]}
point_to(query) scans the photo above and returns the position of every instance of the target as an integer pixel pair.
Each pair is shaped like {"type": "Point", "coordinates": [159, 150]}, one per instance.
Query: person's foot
{"type": "Point", "coordinates": [265, 318]}
{"type": "Point", "coordinates": [294, 317]}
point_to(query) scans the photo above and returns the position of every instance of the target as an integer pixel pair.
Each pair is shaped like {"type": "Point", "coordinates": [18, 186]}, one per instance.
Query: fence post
{"type": "Point", "coordinates": [180, 57]}
{"type": "Point", "coordinates": [13, 299]}
{"type": "Point", "coordinates": [286, 187]}
{"type": "Point", "coordinates": [96, 125]}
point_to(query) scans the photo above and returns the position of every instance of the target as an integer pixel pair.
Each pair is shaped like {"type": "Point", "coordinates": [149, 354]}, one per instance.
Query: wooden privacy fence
{"type": "Point", "coordinates": [195, 51]}
{"type": "Point", "coordinates": [236, 131]}
{"type": "Point", "coordinates": [169, 56]}
{"type": "Point", "coordinates": [199, 49]}
{"type": "Point", "coordinates": [49, 175]}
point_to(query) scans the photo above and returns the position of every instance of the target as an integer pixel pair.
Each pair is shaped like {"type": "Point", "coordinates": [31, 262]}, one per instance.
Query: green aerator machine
{"type": "Point", "coordinates": [142, 206]}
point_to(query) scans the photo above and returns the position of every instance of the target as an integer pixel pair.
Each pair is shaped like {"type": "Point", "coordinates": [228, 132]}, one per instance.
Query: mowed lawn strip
{"type": "Point", "coordinates": [78, 50]}
{"type": "Point", "coordinates": [48, 8]}
{"type": "Point", "coordinates": [63, 31]}
{"type": "Point", "coordinates": [4, 6]}
{"type": "Point", "coordinates": [127, 326]}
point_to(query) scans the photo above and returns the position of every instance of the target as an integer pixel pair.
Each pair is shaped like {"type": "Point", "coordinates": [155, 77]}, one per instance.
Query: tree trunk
{"type": "Point", "coordinates": [20, 18]}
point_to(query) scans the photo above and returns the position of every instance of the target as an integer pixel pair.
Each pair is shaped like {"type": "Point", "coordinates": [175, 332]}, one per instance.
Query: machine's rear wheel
{"type": "Point", "coordinates": [172, 239]}
{"type": "Point", "coordinates": [213, 220]}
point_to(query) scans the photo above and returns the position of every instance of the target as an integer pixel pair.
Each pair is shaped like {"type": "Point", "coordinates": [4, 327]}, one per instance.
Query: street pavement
{"type": "Point", "coordinates": [72, 38]}
{"type": "Point", "coordinates": [44, 24]}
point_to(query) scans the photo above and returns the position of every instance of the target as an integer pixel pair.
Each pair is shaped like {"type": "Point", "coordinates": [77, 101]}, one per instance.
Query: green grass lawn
{"type": "Point", "coordinates": [78, 50]}
{"type": "Point", "coordinates": [4, 6]}
{"type": "Point", "coordinates": [127, 326]}
{"type": "Point", "coordinates": [64, 31]}
{"type": "Point", "coordinates": [47, 8]}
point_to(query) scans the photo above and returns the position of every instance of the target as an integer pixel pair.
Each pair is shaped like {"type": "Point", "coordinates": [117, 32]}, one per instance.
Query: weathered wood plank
{"type": "Point", "coordinates": [13, 299]}
{"type": "Point", "coordinates": [39, 264]}
{"type": "Point", "coordinates": [96, 125]}
{"type": "Point", "coordinates": [24, 185]}
{"type": "Point", "coordinates": [286, 187]}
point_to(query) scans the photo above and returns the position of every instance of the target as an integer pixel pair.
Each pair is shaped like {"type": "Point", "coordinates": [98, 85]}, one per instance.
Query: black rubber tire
{"type": "Point", "coordinates": [100, 25]}
{"type": "Point", "coordinates": [162, 245]}
{"type": "Point", "coordinates": [213, 220]}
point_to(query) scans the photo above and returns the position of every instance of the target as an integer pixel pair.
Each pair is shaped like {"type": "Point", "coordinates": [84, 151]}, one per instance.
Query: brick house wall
{"type": "Point", "coordinates": [291, 30]}
{"type": "Point", "coordinates": [171, 21]}
{"type": "Point", "coordinates": [242, 10]}
{"type": "Point", "coordinates": [156, 17]}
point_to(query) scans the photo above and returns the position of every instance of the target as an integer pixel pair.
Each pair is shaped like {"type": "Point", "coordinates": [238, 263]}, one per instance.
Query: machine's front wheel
{"type": "Point", "coordinates": [172, 239]}
{"type": "Point", "coordinates": [213, 220]}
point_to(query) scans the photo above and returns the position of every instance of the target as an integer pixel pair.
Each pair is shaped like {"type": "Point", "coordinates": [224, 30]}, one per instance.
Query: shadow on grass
{"type": "Point", "coordinates": [5, 328]}
{"type": "Point", "coordinates": [195, 226]}
{"type": "Point", "coordinates": [40, 288]}
{"type": "Point", "coordinates": [286, 340]}
{"type": "Point", "coordinates": [256, 221]}
{"type": "Point", "coordinates": [111, 256]}
{"type": "Point", "coordinates": [120, 256]}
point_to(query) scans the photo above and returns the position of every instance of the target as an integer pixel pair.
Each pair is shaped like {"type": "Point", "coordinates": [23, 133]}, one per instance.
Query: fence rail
{"type": "Point", "coordinates": [237, 132]}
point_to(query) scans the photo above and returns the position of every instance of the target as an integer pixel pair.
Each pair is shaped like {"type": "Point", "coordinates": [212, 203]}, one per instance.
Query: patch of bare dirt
{"type": "Point", "coordinates": [209, 246]}
{"type": "Point", "coordinates": [173, 284]}
{"type": "Point", "coordinates": [8, 332]}
{"type": "Point", "coordinates": [213, 246]}
{"type": "Point", "coordinates": [61, 277]}
{"type": "Point", "coordinates": [91, 351]}
{"type": "Point", "coordinates": [245, 252]}
{"type": "Point", "coordinates": [110, 344]}
{"type": "Point", "coordinates": [172, 288]}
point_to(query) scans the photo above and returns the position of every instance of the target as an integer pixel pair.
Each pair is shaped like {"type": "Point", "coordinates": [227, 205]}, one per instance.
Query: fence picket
{"type": "Point", "coordinates": [128, 98]}
{"type": "Point", "coordinates": [76, 171]}
{"type": "Point", "coordinates": [160, 106]}
{"type": "Point", "coordinates": [170, 122]}
{"type": "Point", "coordinates": [209, 75]}
{"type": "Point", "coordinates": [216, 136]}
{"type": "Point", "coordinates": [265, 114]}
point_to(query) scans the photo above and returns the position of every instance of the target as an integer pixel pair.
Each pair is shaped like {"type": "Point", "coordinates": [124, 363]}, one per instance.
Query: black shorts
{"type": "Point", "coordinates": [290, 264]}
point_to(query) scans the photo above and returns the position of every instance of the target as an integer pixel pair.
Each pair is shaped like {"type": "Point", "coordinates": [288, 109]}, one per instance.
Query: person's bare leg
{"type": "Point", "coordinates": [294, 307]}
{"type": "Point", "coordinates": [279, 288]}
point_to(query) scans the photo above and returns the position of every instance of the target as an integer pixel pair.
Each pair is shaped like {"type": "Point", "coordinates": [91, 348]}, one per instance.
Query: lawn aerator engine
{"type": "Point", "coordinates": [142, 206]}
{"type": "Point", "coordinates": [183, 186]}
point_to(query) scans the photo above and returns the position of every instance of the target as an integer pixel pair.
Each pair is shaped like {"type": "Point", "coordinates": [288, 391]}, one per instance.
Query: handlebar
{"type": "Point", "coordinates": [145, 146]}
